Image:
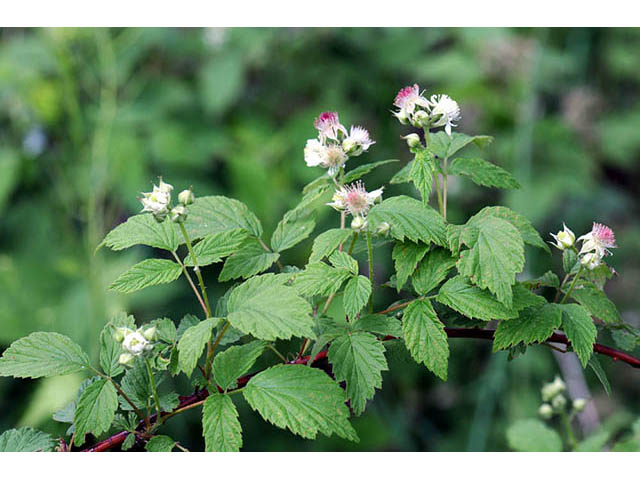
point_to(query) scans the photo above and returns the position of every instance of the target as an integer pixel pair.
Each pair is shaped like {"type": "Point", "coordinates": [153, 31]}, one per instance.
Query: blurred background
{"type": "Point", "coordinates": [90, 117]}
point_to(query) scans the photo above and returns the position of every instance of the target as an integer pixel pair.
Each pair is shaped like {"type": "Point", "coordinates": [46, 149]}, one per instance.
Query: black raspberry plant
{"type": "Point", "coordinates": [451, 281]}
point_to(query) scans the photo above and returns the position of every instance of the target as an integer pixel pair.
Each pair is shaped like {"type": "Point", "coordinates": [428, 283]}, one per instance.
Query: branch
{"type": "Point", "coordinates": [320, 361]}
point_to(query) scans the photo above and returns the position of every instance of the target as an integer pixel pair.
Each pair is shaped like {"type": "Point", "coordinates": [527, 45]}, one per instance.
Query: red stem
{"type": "Point", "coordinates": [485, 334]}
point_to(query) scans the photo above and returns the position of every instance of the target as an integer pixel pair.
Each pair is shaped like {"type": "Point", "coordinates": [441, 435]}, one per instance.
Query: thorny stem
{"type": "Point", "coordinates": [370, 255]}
{"type": "Point", "coordinates": [193, 285]}
{"type": "Point", "coordinates": [444, 190]}
{"type": "Point", "coordinates": [153, 386]}
{"type": "Point", "coordinates": [573, 284]}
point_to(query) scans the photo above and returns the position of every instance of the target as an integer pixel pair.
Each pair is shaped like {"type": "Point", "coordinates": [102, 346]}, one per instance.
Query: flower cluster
{"type": "Point", "coordinates": [334, 144]}
{"type": "Point", "coordinates": [595, 244]}
{"type": "Point", "coordinates": [355, 199]}
{"type": "Point", "coordinates": [134, 342]}
{"type": "Point", "coordinates": [158, 202]}
{"type": "Point", "coordinates": [417, 110]}
{"type": "Point", "coordinates": [554, 401]}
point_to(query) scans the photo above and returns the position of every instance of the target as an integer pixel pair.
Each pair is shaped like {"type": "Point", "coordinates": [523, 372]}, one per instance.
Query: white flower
{"type": "Point", "coordinates": [564, 239]}
{"type": "Point", "coordinates": [591, 260]}
{"type": "Point", "coordinates": [328, 126]}
{"type": "Point", "coordinates": [355, 199]}
{"type": "Point", "coordinates": [315, 154]}
{"type": "Point", "coordinates": [407, 100]}
{"type": "Point", "coordinates": [444, 112]}
{"type": "Point", "coordinates": [135, 343]}
{"type": "Point", "coordinates": [579, 404]}
{"type": "Point", "coordinates": [545, 411]}
{"type": "Point", "coordinates": [357, 141]}
{"type": "Point", "coordinates": [598, 240]}
{"type": "Point", "coordinates": [165, 187]}
{"type": "Point", "coordinates": [157, 201]}
{"type": "Point", "coordinates": [552, 389]}
{"type": "Point", "coordinates": [558, 402]}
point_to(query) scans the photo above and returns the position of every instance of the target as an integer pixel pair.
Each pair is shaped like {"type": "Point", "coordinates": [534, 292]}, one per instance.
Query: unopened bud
{"type": "Point", "coordinates": [545, 411]}
{"type": "Point", "coordinates": [565, 238]}
{"type": "Point", "coordinates": [352, 147]}
{"type": "Point", "coordinates": [552, 389]}
{"type": "Point", "coordinates": [579, 404]}
{"type": "Point", "coordinates": [413, 140]}
{"type": "Point", "coordinates": [558, 402]}
{"type": "Point", "coordinates": [120, 333]}
{"type": "Point", "coordinates": [178, 214]}
{"type": "Point", "coordinates": [401, 116]}
{"type": "Point", "coordinates": [186, 197]}
{"type": "Point", "coordinates": [590, 260]}
{"type": "Point", "coordinates": [383, 229]}
{"type": "Point", "coordinates": [420, 119]}
{"type": "Point", "coordinates": [359, 223]}
{"type": "Point", "coordinates": [150, 333]}
{"type": "Point", "coordinates": [126, 359]}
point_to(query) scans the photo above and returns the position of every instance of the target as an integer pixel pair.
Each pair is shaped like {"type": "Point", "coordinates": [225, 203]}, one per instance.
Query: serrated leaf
{"type": "Point", "coordinates": [315, 198]}
{"type": "Point", "coordinates": [234, 362]}
{"type": "Point", "coordinates": [110, 350]}
{"type": "Point", "coordinates": [378, 324]}
{"type": "Point", "coordinates": [267, 310]}
{"type": "Point", "coordinates": [153, 271]}
{"type": "Point", "coordinates": [580, 330]}
{"type": "Point", "coordinates": [356, 173]}
{"type": "Point", "coordinates": [320, 279]}
{"type": "Point", "coordinates": [296, 225]}
{"type": "Point", "coordinates": [345, 261]}
{"type": "Point", "coordinates": [327, 242]}
{"type": "Point", "coordinates": [213, 214]}
{"type": "Point", "coordinates": [471, 301]}
{"type": "Point", "coordinates": [403, 175]}
{"type": "Point", "coordinates": [42, 354]}
{"type": "Point", "coordinates": [356, 295]}
{"type": "Point", "coordinates": [95, 410]}
{"type": "Point", "coordinates": [548, 279]}
{"type": "Point", "coordinates": [215, 247]}
{"type": "Point", "coordinates": [601, 375]}
{"type": "Point", "coordinates": [135, 384]}
{"type": "Point", "coordinates": [250, 260]}
{"type": "Point", "coordinates": [421, 173]}
{"type": "Point", "coordinates": [483, 173]}
{"type": "Point", "coordinates": [425, 337]}
{"type": "Point", "coordinates": [358, 359]}
{"type": "Point", "coordinates": [220, 425]}
{"type": "Point", "coordinates": [160, 443]}
{"type": "Point", "coordinates": [533, 436]}
{"type": "Point", "coordinates": [409, 218]}
{"type": "Point", "coordinates": [597, 303]}
{"type": "Point", "coordinates": [534, 325]}
{"type": "Point", "coordinates": [143, 229]}
{"type": "Point", "coordinates": [191, 345]}
{"type": "Point", "coordinates": [624, 339]}
{"type": "Point", "coordinates": [304, 400]}
{"type": "Point", "coordinates": [128, 442]}
{"type": "Point", "coordinates": [406, 256]}
{"type": "Point", "coordinates": [494, 258]}
{"type": "Point", "coordinates": [433, 269]}
{"type": "Point", "coordinates": [529, 234]}
{"type": "Point", "coordinates": [444, 146]}
{"type": "Point", "coordinates": [569, 261]}
{"type": "Point", "coordinates": [454, 235]}
{"type": "Point", "coordinates": [165, 330]}
{"type": "Point", "coordinates": [26, 439]}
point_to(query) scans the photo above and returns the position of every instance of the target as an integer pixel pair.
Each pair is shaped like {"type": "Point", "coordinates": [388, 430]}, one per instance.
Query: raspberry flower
{"type": "Point", "coordinates": [135, 343]}
{"type": "Point", "coordinates": [328, 126]}
{"type": "Point", "coordinates": [157, 202]}
{"type": "Point", "coordinates": [564, 238]}
{"type": "Point", "coordinates": [354, 199]}
{"type": "Point", "coordinates": [357, 141]}
{"type": "Point", "coordinates": [407, 100]}
{"type": "Point", "coordinates": [444, 112]}
{"type": "Point", "coordinates": [598, 240]}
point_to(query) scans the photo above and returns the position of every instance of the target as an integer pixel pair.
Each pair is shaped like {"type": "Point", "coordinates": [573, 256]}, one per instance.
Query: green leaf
{"type": "Point", "coordinates": [325, 243]}
{"type": "Point", "coordinates": [483, 173]}
{"type": "Point", "coordinates": [624, 339]}
{"type": "Point", "coordinates": [421, 173]}
{"type": "Point", "coordinates": [250, 260]}
{"type": "Point", "coordinates": [496, 255]}
{"type": "Point", "coordinates": [110, 350]}
{"type": "Point", "coordinates": [529, 234]}
{"type": "Point", "coordinates": [135, 384]}
{"type": "Point", "coordinates": [533, 436]}
{"type": "Point", "coordinates": [344, 261]}
{"type": "Point", "coordinates": [569, 260]}
{"type": "Point", "coordinates": [594, 363]}
{"type": "Point", "coordinates": [128, 442]}
{"type": "Point", "coordinates": [597, 303]}
{"type": "Point", "coordinates": [26, 439]}
{"type": "Point", "coordinates": [406, 256]}
{"type": "Point", "coordinates": [191, 345]}
{"type": "Point", "coordinates": [580, 330]}
{"type": "Point", "coordinates": [315, 198]}
{"type": "Point", "coordinates": [356, 295]}
{"type": "Point", "coordinates": [153, 271]}
{"type": "Point", "coordinates": [96, 409]}
{"type": "Point", "coordinates": [358, 359]}
{"type": "Point", "coordinates": [296, 225]}
{"type": "Point", "coordinates": [220, 425]}
{"type": "Point", "coordinates": [234, 362]}
{"type": "Point", "coordinates": [471, 301]}
{"type": "Point", "coordinates": [409, 218]}
{"type": "Point", "coordinates": [165, 330]}
{"type": "Point", "coordinates": [444, 146]}
{"type": "Point", "coordinates": [403, 175]}
{"type": "Point", "coordinates": [594, 442]}
{"type": "Point", "coordinates": [42, 354]}
{"type": "Point", "coordinates": [548, 279]}
{"type": "Point", "coordinates": [144, 230]}
{"type": "Point", "coordinates": [534, 325]}
{"type": "Point", "coordinates": [356, 173]}
{"type": "Point", "coordinates": [378, 324]}
{"type": "Point", "coordinates": [320, 279]}
{"type": "Point", "coordinates": [160, 443]}
{"type": "Point", "coordinates": [304, 400]}
{"type": "Point", "coordinates": [432, 270]}
{"type": "Point", "coordinates": [215, 247]}
{"type": "Point", "coordinates": [209, 215]}
{"type": "Point", "coordinates": [425, 337]}
{"type": "Point", "coordinates": [263, 308]}
{"type": "Point", "coordinates": [454, 236]}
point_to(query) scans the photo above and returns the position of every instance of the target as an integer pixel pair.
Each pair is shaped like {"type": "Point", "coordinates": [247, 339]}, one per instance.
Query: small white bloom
{"type": "Point", "coordinates": [579, 404]}
{"type": "Point", "coordinates": [329, 126]}
{"type": "Point", "coordinates": [545, 411]}
{"type": "Point", "coordinates": [564, 238]}
{"type": "Point", "coordinates": [550, 390]}
{"type": "Point", "coordinates": [120, 333]}
{"type": "Point", "coordinates": [444, 112]}
{"type": "Point", "coordinates": [357, 141]}
{"type": "Point", "coordinates": [157, 201]}
{"type": "Point", "coordinates": [599, 240]}
{"type": "Point", "coordinates": [558, 402]}
{"type": "Point", "coordinates": [591, 260]}
{"type": "Point", "coordinates": [315, 154]}
{"type": "Point", "coordinates": [135, 343]}
{"type": "Point", "coordinates": [408, 100]}
{"type": "Point", "coordinates": [165, 187]}
{"type": "Point", "coordinates": [355, 199]}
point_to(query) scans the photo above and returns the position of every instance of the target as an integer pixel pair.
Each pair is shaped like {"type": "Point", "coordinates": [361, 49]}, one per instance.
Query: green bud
{"type": "Point", "coordinates": [558, 402]}
{"type": "Point", "coordinates": [186, 197]}
{"type": "Point", "coordinates": [359, 224]}
{"type": "Point", "coordinates": [579, 404]}
{"type": "Point", "coordinates": [413, 140]}
{"type": "Point", "coordinates": [383, 229]}
{"type": "Point", "coordinates": [126, 359]}
{"type": "Point", "coordinates": [150, 333]}
{"type": "Point", "coordinates": [545, 411]}
{"type": "Point", "coordinates": [178, 214]}
{"type": "Point", "coordinates": [421, 119]}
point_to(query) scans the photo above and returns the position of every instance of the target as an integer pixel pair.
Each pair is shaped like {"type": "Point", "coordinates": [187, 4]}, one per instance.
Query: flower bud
{"type": "Point", "coordinates": [579, 404]}
{"type": "Point", "coordinates": [150, 333]}
{"type": "Point", "coordinates": [126, 359]}
{"type": "Point", "coordinates": [590, 260]}
{"type": "Point", "coordinates": [552, 389]}
{"type": "Point", "coordinates": [120, 333]}
{"type": "Point", "coordinates": [178, 214]}
{"type": "Point", "coordinates": [420, 119]}
{"type": "Point", "coordinates": [164, 187]}
{"type": "Point", "coordinates": [565, 238]}
{"type": "Point", "coordinates": [558, 402]}
{"type": "Point", "coordinates": [545, 411]}
{"type": "Point", "coordinates": [186, 197]}
{"type": "Point", "coordinates": [402, 116]}
{"type": "Point", "coordinates": [413, 140]}
{"type": "Point", "coordinates": [351, 147]}
{"type": "Point", "coordinates": [383, 229]}
{"type": "Point", "coordinates": [359, 223]}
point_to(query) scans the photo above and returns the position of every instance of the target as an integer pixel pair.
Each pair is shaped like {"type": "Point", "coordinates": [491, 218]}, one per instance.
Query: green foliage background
{"type": "Point", "coordinates": [89, 117]}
